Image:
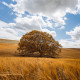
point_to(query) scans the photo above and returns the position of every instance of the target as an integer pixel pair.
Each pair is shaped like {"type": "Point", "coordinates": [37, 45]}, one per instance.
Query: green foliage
{"type": "Point", "coordinates": [38, 41]}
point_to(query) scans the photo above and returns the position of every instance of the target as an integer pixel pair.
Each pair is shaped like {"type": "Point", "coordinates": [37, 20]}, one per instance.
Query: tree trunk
{"type": "Point", "coordinates": [41, 54]}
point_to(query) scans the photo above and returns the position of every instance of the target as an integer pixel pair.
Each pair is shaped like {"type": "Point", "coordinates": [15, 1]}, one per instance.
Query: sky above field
{"type": "Point", "coordinates": [60, 18]}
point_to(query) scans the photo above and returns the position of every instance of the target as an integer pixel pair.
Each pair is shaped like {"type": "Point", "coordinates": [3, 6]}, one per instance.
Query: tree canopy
{"type": "Point", "coordinates": [38, 41]}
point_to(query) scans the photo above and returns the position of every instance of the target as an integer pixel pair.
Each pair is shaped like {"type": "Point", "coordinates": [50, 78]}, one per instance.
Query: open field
{"type": "Point", "coordinates": [9, 47]}
{"type": "Point", "coordinates": [12, 67]}
{"type": "Point", "coordinates": [39, 68]}
{"type": "Point", "coordinates": [8, 41]}
{"type": "Point", "coordinates": [70, 53]}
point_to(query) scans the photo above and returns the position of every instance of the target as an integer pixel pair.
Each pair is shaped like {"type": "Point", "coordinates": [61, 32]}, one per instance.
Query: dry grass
{"type": "Point", "coordinates": [70, 53]}
{"type": "Point", "coordinates": [24, 68]}
{"type": "Point", "coordinates": [40, 68]}
{"type": "Point", "coordinates": [8, 49]}
{"type": "Point", "coordinates": [8, 41]}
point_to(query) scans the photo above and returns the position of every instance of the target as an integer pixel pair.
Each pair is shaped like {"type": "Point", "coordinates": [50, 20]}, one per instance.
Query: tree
{"type": "Point", "coordinates": [38, 41]}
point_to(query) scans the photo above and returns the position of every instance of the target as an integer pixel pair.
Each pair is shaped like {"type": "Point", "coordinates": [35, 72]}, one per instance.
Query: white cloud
{"type": "Point", "coordinates": [54, 9]}
{"type": "Point", "coordinates": [78, 6]}
{"type": "Point", "coordinates": [74, 42]}
{"type": "Point", "coordinates": [23, 25]}
{"type": "Point", "coordinates": [72, 11]}
{"type": "Point", "coordinates": [70, 43]}
{"type": "Point", "coordinates": [75, 33]}
{"type": "Point", "coordinates": [46, 7]}
{"type": "Point", "coordinates": [29, 23]}
{"type": "Point", "coordinates": [7, 32]}
{"type": "Point", "coordinates": [5, 3]}
{"type": "Point", "coordinates": [53, 33]}
{"type": "Point", "coordinates": [3, 24]}
{"type": "Point", "coordinates": [62, 27]}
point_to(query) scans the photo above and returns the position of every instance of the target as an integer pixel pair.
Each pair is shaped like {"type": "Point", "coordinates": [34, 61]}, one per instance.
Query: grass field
{"type": "Point", "coordinates": [40, 68]}
{"type": "Point", "coordinates": [12, 67]}
{"type": "Point", "coordinates": [8, 50]}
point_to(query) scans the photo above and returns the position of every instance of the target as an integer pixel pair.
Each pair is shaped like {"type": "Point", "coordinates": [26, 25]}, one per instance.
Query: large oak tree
{"type": "Point", "coordinates": [38, 41]}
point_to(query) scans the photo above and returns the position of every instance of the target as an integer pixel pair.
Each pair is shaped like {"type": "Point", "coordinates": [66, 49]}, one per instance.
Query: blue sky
{"type": "Point", "coordinates": [60, 18]}
{"type": "Point", "coordinates": [71, 22]}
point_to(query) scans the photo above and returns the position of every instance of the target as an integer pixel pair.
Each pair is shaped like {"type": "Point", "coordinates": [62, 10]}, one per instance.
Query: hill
{"type": "Point", "coordinates": [8, 41]}
{"type": "Point", "coordinates": [8, 48]}
{"type": "Point", "coordinates": [30, 68]}
{"type": "Point", "coordinates": [70, 53]}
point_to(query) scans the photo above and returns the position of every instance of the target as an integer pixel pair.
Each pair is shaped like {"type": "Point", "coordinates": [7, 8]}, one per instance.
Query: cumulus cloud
{"type": "Point", "coordinates": [7, 32]}
{"type": "Point", "coordinates": [55, 9]}
{"type": "Point", "coordinates": [3, 24]}
{"type": "Point", "coordinates": [75, 33]}
{"type": "Point", "coordinates": [78, 6]}
{"type": "Point", "coordinates": [23, 25]}
{"type": "Point", "coordinates": [53, 33]}
{"type": "Point", "coordinates": [29, 23]}
{"type": "Point", "coordinates": [70, 43]}
{"type": "Point", "coordinates": [52, 9]}
{"type": "Point", "coordinates": [74, 41]}
{"type": "Point", "coordinates": [46, 7]}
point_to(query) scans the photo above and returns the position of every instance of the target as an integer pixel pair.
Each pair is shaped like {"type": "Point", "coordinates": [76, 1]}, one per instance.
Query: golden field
{"type": "Point", "coordinates": [8, 49]}
{"type": "Point", "coordinates": [39, 68]}
{"type": "Point", "coordinates": [12, 67]}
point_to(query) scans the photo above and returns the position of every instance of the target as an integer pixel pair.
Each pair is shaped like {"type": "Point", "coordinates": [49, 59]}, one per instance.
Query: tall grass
{"type": "Point", "coordinates": [39, 68]}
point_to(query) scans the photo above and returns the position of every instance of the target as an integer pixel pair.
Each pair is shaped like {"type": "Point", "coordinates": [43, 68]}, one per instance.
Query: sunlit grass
{"type": "Point", "coordinates": [41, 68]}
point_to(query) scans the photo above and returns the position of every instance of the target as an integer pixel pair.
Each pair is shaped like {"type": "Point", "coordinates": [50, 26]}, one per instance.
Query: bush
{"type": "Point", "coordinates": [38, 41]}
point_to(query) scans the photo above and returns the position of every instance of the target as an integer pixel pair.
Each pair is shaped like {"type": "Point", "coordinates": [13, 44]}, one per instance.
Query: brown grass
{"type": "Point", "coordinates": [8, 49]}
{"type": "Point", "coordinates": [28, 68]}
{"type": "Point", "coordinates": [8, 41]}
{"type": "Point", "coordinates": [70, 53]}
{"type": "Point", "coordinates": [40, 68]}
